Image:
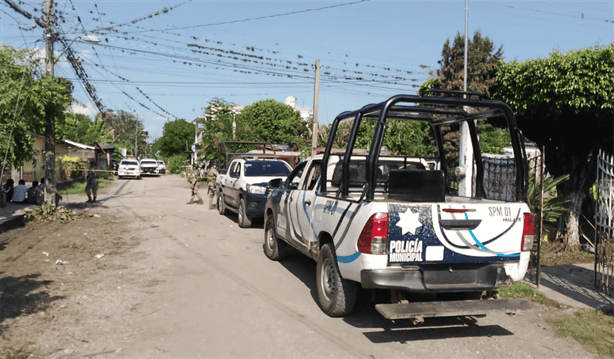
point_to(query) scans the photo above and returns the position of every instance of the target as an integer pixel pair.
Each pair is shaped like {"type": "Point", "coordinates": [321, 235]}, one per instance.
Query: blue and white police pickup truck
{"type": "Point", "coordinates": [243, 186]}
{"type": "Point", "coordinates": [397, 223]}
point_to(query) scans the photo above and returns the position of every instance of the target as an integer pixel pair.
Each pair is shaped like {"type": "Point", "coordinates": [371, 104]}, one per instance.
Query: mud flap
{"type": "Point", "coordinates": [457, 308]}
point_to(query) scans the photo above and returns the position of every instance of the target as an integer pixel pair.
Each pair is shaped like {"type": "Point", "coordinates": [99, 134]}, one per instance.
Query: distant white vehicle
{"type": "Point", "coordinates": [161, 167]}
{"type": "Point", "coordinates": [149, 166]}
{"type": "Point", "coordinates": [129, 167]}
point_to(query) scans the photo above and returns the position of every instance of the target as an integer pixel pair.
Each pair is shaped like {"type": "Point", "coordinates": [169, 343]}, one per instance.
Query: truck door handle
{"type": "Point", "coordinates": [308, 202]}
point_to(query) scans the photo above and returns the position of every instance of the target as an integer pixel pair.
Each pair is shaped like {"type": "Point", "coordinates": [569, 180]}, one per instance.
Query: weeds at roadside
{"type": "Point", "coordinates": [591, 328]}
{"type": "Point", "coordinates": [50, 213]}
{"type": "Point", "coordinates": [520, 290]}
{"type": "Point", "coordinates": [79, 187]}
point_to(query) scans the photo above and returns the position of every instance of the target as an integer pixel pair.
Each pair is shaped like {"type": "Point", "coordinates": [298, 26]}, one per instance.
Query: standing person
{"type": "Point", "coordinates": [91, 187]}
{"type": "Point", "coordinates": [40, 192]}
{"type": "Point", "coordinates": [8, 189]}
{"type": "Point", "coordinates": [212, 173]}
{"type": "Point", "coordinates": [194, 180]}
{"type": "Point", "coordinates": [19, 192]}
{"type": "Point", "coordinates": [31, 194]}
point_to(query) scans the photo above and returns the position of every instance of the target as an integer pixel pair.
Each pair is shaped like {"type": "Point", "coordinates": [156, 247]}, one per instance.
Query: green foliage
{"type": "Point", "coordinates": [493, 139]}
{"type": "Point", "coordinates": [27, 95]}
{"type": "Point", "coordinates": [554, 206]}
{"type": "Point", "coordinates": [521, 290]}
{"type": "Point", "coordinates": [177, 138]}
{"type": "Point", "coordinates": [271, 121]}
{"type": "Point", "coordinates": [79, 187]}
{"type": "Point", "coordinates": [577, 79]}
{"type": "Point", "coordinates": [482, 64]}
{"type": "Point", "coordinates": [126, 127]}
{"type": "Point", "coordinates": [68, 167]}
{"type": "Point", "coordinates": [216, 127]}
{"type": "Point", "coordinates": [564, 103]}
{"type": "Point", "coordinates": [177, 163]}
{"type": "Point", "coordinates": [591, 328]}
{"type": "Point", "coordinates": [80, 128]}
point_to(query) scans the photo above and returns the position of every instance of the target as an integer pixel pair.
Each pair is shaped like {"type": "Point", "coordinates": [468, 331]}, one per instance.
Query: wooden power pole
{"type": "Point", "coordinates": [315, 129]}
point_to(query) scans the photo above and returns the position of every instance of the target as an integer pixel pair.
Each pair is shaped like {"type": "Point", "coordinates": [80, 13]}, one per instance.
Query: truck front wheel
{"type": "Point", "coordinates": [221, 204]}
{"type": "Point", "coordinates": [336, 296]}
{"type": "Point", "coordinates": [244, 220]}
{"type": "Point", "coordinates": [274, 248]}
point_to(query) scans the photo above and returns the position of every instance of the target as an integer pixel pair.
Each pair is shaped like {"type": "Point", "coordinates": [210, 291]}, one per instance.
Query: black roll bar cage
{"type": "Point", "coordinates": [425, 108]}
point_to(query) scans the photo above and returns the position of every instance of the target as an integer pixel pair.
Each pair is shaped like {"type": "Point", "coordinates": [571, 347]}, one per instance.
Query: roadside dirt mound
{"type": "Point", "coordinates": [52, 272]}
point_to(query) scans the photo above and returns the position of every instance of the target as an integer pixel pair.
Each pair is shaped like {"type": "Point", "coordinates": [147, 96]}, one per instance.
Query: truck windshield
{"type": "Point", "coordinates": [268, 168]}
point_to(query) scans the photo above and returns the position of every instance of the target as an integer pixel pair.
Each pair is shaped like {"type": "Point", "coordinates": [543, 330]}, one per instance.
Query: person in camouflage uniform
{"type": "Point", "coordinates": [211, 181]}
{"type": "Point", "coordinates": [194, 181]}
{"type": "Point", "coordinates": [91, 188]}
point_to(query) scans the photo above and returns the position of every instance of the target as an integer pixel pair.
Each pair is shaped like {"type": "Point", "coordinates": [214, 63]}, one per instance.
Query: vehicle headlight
{"type": "Point", "coordinates": [255, 189]}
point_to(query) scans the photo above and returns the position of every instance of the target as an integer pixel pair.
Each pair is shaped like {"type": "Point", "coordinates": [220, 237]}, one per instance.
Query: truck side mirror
{"type": "Point", "coordinates": [276, 183]}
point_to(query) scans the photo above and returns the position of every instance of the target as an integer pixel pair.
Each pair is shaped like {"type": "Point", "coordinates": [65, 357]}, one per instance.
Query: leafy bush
{"type": "Point", "coordinates": [68, 167]}
{"type": "Point", "coordinates": [177, 163]}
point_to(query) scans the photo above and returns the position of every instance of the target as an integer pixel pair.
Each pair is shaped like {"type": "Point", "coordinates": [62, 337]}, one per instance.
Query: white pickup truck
{"type": "Point", "coordinates": [243, 188]}
{"type": "Point", "coordinates": [397, 223]}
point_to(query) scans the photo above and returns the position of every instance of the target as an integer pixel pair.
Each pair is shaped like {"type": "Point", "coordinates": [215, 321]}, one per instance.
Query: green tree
{"type": "Point", "coordinates": [483, 60]}
{"type": "Point", "coordinates": [127, 127]}
{"type": "Point", "coordinates": [26, 93]}
{"type": "Point", "coordinates": [177, 138]}
{"type": "Point", "coordinates": [81, 129]}
{"type": "Point", "coordinates": [216, 126]}
{"type": "Point", "coordinates": [273, 122]}
{"type": "Point", "coordinates": [564, 103]}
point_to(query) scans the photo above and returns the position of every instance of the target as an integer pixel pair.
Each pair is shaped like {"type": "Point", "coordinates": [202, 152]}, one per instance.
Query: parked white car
{"type": "Point", "coordinates": [129, 167]}
{"type": "Point", "coordinates": [149, 166]}
{"type": "Point", "coordinates": [161, 167]}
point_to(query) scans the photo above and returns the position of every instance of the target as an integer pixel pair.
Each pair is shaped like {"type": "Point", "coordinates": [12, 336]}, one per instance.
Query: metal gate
{"type": "Point", "coordinates": [604, 224]}
{"type": "Point", "coordinates": [500, 184]}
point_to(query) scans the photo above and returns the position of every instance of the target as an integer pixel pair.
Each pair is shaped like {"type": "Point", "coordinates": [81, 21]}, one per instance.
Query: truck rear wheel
{"type": "Point", "coordinates": [274, 248]}
{"type": "Point", "coordinates": [336, 296]}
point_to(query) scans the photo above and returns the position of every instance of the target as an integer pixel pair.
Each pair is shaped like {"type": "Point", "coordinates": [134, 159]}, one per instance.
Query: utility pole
{"type": "Point", "coordinates": [465, 153]}
{"type": "Point", "coordinates": [49, 125]}
{"type": "Point", "coordinates": [314, 133]}
{"type": "Point", "coordinates": [136, 137]}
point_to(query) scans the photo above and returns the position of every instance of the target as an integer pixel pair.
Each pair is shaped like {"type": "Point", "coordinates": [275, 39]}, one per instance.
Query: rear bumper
{"type": "Point", "coordinates": [436, 278]}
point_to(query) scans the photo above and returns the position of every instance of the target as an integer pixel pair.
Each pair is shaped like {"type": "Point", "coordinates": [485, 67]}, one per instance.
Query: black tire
{"type": "Point", "coordinates": [244, 220]}
{"type": "Point", "coordinates": [336, 296]}
{"type": "Point", "coordinates": [274, 248]}
{"type": "Point", "coordinates": [221, 204]}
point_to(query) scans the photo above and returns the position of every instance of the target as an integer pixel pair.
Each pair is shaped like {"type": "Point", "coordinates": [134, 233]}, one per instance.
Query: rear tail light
{"type": "Point", "coordinates": [374, 236]}
{"type": "Point", "coordinates": [528, 229]}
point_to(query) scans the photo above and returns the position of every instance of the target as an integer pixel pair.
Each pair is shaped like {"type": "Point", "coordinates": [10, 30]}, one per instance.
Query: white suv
{"type": "Point", "coordinates": [149, 166]}
{"type": "Point", "coordinates": [161, 167]}
{"type": "Point", "coordinates": [129, 167]}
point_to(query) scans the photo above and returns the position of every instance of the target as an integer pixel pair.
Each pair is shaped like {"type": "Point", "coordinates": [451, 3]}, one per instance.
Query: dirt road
{"type": "Point", "coordinates": [146, 275]}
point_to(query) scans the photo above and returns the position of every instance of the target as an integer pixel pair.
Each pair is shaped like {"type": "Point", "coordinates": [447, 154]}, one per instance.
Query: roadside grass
{"type": "Point", "coordinates": [79, 187]}
{"type": "Point", "coordinates": [521, 290]}
{"type": "Point", "coordinates": [592, 328]}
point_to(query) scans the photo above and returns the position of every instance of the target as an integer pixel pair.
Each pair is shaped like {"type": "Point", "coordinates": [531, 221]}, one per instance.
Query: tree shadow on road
{"type": "Point", "coordinates": [22, 296]}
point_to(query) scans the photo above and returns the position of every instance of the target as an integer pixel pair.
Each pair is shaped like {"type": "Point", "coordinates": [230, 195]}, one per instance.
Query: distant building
{"type": "Point", "coordinates": [306, 113]}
